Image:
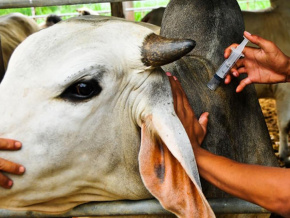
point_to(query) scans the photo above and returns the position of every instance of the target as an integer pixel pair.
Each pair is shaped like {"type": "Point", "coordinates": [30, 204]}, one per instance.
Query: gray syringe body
{"type": "Point", "coordinates": [227, 65]}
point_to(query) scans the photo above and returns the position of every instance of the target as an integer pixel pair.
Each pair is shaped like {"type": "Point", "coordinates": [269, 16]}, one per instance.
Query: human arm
{"type": "Point", "coordinates": [8, 166]}
{"type": "Point", "coordinates": [266, 64]}
{"type": "Point", "coordinates": [268, 187]}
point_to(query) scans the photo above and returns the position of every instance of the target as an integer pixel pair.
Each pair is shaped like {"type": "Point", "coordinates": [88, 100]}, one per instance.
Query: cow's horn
{"type": "Point", "coordinates": [158, 50]}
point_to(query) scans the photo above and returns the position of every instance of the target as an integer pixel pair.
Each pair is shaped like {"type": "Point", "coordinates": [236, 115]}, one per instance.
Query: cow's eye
{"type": "Point", "coordinates": [82, 90]}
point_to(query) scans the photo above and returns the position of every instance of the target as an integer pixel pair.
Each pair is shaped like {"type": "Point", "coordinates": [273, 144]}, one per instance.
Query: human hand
{"type": "Point", "coordinates": [7, 166]}
{"type": "Point", "coordinates": [266, 64]}
{"type": "Point", "coordinates": [195, 129]}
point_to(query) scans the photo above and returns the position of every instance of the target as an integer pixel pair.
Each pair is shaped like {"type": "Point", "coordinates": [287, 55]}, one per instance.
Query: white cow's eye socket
{"type": "Point", "coordinates": [82, 90]}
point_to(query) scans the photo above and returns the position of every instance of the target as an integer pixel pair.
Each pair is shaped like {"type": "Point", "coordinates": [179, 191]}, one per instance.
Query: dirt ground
{"type": "Point", "coordinates": [269, 111]}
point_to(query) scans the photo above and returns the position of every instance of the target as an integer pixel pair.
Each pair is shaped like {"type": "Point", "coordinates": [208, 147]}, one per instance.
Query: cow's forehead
{"type": "Point", "coordinates": [80, 43]}
{"type": "Point", "coordinates": [88, 29]}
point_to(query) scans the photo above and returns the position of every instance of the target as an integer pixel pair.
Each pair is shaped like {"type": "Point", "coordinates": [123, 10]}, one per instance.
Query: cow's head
{"type": "Point", "coordinates": [82, 96]}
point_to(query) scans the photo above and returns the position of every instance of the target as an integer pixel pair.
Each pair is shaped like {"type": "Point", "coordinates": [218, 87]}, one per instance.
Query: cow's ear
{"type": "Point", "coordinates": [163, 169]}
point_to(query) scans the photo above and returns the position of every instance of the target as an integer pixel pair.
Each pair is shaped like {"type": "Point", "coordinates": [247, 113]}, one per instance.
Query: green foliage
{"type": "Point", "coordinates": [143, 4]}
{"type": "Point", "coordinates": [254, 4]}
{"type": "Point", "coordinates": [26, 11]}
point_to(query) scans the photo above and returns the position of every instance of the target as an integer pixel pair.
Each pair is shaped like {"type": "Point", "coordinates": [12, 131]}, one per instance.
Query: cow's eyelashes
{"type": "Point", "coordinates": [82, 90]}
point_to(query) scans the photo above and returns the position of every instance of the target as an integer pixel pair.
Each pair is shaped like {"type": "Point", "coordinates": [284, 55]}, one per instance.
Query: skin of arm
{"type": "Point", "coordinates": [266, 64]}
{"type": "Point", "coordinates": [8, 166]}
{"type": "Point", "coordinates": [268, 187]}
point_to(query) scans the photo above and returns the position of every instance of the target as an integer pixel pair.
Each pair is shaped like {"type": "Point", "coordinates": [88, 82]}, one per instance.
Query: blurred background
{"type": "Point", "coordinates": [133, 10]}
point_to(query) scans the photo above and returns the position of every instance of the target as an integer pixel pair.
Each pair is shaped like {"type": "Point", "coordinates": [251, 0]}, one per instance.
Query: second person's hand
{"type": "Point", "coordinates": [8, 166]}
{"type": "Point", "coordinates": [266, 64]}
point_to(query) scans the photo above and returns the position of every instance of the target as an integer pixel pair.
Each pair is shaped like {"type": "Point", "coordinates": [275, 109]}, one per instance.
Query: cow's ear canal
{"type": "Point", "coordinates": [81, 90]}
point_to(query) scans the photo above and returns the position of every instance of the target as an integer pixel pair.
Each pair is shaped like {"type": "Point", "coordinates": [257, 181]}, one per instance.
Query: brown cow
{"type": "Point", "coordinates": [272, 24]}
{"type": "Point", "coordinates": [154, 16]}
{"type": "Point", "coordinates": [50, 21]}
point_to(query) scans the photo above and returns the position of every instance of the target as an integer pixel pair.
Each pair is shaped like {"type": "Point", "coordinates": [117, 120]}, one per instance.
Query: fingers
{"type": "Point", "coordinates": [10, 167]}
{"type": "Point", "coordinates": [228, 79]}
{"type": "Point", "coordinates": [203, 120]}
{"type": "Point", "coordinates": [243, 84]}
{"type": "Point", "coordinates": [253, 38]}
{"type": "Point", "coordinates": [257, 40]}
{"type": "Point", "coordinates": [195, 129]}
{"type": "Point", "coordinates": [228, 50]}
{"type": "Point", "coordinates": [9, 144]}
{"type": "Point", "coordinates": [5, 182]}
{"type": "Point", "coordinates": [175, 90]}
{"type": "Point", "coordinates": [234, 72]}
{"type": "Point", "coordinates": [181, 103]}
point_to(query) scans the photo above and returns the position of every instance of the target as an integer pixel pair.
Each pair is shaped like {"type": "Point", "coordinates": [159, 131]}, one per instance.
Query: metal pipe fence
{"type": "Point", "coordinates": [144, 207]}
{"type": "Point", "coordinates": [41, 3]}
{"type": "Point", "coordinates": [143, 9]}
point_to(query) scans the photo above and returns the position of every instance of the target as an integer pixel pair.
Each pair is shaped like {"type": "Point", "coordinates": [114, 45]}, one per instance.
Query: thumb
{"type": "Point", "coordinates": [259, 41]}
{"type": "Point", "coordinates": [203, 120]}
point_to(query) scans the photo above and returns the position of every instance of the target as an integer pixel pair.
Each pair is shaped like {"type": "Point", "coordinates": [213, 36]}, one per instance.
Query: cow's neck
{"type": "Point", "coordinates": [214, 25]}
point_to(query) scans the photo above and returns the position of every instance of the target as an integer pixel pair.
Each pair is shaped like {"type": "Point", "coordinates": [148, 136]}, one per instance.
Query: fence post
{"type": "Point", "coordinates": [129, 15]}
{"type": "Point", "coordinates": [117, 9]}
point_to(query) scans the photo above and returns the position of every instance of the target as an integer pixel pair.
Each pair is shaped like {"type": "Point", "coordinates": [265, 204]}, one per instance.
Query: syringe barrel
{"type": "Point", "coordinates": [227, 65]}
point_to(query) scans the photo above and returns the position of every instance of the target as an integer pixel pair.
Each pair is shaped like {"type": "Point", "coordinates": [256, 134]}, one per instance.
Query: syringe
{"type": "Point", "coordinates": [227, 65]}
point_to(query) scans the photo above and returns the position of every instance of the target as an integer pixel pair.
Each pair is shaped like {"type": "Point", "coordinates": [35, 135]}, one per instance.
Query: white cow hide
{"type": "Point", "coordinates": [76, 95]}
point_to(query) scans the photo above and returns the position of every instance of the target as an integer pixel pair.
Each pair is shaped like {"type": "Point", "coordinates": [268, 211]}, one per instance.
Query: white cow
{"type": "Point", "coordinates": [80, 119]}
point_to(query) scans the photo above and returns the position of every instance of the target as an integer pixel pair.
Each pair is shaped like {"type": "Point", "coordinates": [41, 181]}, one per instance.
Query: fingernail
{"type": "Point", "coordinates": [235, 74]}
{"type": "Point", "coordinates": [17, 145]}
{"type": "Point", "coordinates": [247, 33]}
{"type": "Point", "coordinates": [168, 74]}
{"type": "Point", "coordinates": [21, 169]}
{"type": "Point", "coordinates": [10, 183]}
{"type": "Point", "coordinates": [174, 78]}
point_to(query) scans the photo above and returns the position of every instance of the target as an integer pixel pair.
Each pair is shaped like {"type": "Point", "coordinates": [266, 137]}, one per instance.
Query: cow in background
{"type": "Point", "coordinates": [274, 24]}
{"type": "Point", "coordinates": [14, 28]}
{"type": "Point", "coordinates": [154, 16]}
{"type": "Point", "coordinates": [50, 21]}
{"type": "Point", "coordinates": [86, 11]}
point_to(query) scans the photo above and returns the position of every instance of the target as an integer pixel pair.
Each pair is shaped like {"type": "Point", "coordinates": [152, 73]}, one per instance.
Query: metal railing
{"type": "Point", "coordinates": [144, 207]}
{"type": "Point", "coordinates": [100, 12]}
